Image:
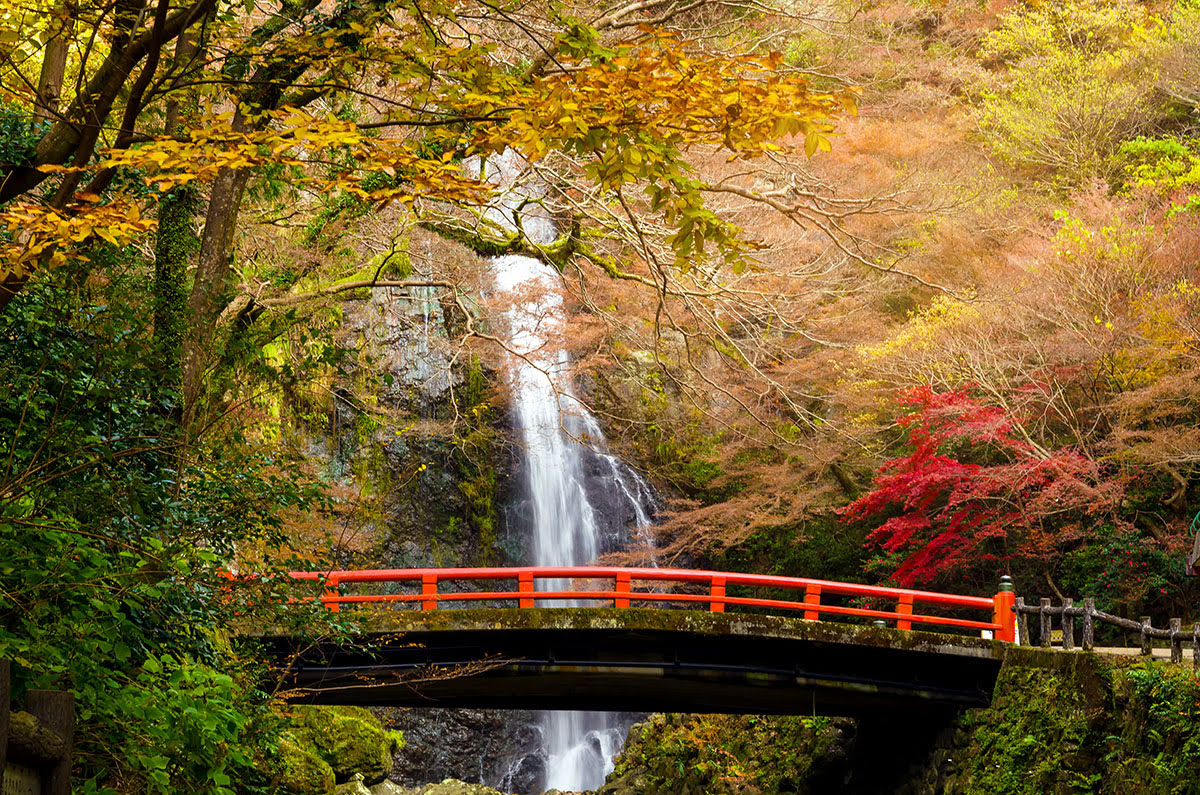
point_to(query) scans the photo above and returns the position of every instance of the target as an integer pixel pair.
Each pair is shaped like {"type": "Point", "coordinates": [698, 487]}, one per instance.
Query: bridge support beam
{"type": "Point", "coordinates": [631, 659]}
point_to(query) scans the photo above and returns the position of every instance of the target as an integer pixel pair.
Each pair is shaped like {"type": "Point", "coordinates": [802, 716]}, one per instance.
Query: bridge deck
{"type": "Point", "coordinates": [640, 660]}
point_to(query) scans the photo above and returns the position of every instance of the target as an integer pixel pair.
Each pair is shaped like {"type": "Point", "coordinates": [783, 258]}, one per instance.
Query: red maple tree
{"type": "Point", "coordinates": [976, 494]}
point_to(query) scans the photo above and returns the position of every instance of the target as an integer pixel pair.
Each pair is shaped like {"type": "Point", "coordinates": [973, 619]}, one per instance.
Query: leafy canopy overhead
{"type": "Point", "coordinates": [423, 100]}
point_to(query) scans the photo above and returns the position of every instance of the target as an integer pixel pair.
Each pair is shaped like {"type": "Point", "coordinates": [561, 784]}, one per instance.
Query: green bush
{"type": "Point", "coordinates": [1079, 81]}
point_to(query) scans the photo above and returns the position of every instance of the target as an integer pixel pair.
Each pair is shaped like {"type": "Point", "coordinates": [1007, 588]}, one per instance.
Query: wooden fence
{"type": "Point", "coordinates": [37, 744]}
{"type": "Point", "coordinates": [1175, 634]}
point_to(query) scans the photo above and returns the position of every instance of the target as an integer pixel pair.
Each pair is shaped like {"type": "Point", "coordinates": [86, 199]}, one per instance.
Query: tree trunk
{"type": "Point", "coordinates": [175, 242]}
{"type": "Point", "coordinates": [54, 64]}
{"type": "Point", "coordinates": [212, 281]}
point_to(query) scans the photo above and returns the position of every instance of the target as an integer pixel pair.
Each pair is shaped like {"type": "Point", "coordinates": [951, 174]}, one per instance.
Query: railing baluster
{"type": "Point", "coordinates": [622, 587]}
{"type": "Point", "coordinates": [1196, 648]}
{"type": "Point", "coordinates": [429, 583]}
{"type": "Point", "coordinates": [812, 596]}
{"type": "Point", "coordinates": [525, 585]}
{"type": "Point", "coordinates": [331, 594]}
{"type": "Point", "coordinates": [1089, 629]}
{"type": "Point", "coordinates": [1022, 621]}
{"type": "Point", "coordinates": [1044, 621]}
{"type": "Point", "coordinates": [1147, 648]}
{"type": "Point", "coordinates": [1068, 625]}
{"type": "Point", "coordinates": [717, 591]}
{"type": "Point", "coordinates": [905, 607]}
{"type": "Point", "coordinates": [1176, 640]}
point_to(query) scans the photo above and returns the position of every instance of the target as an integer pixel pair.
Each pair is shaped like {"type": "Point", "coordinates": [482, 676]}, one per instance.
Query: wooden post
{"type": "Point", "coordinates": [1196, 648]}
{"type": "Point", "coordinates": [622, 587]}
{"type": "Point", "coordinates": [1022, 621]}
{"type": "Point", "coordinates": [1176, 640]}
{"type": "Point", "coordinates": [1068, 625]}
{"type": "Point", "coordinates": [1146, 640]}
{"type": "Point", "coordinates": [5, 697]}
{"type": "Point", "coordinates": [429, 592]}
{"type": "Point", "coordinates": [525, 585]}
{"type": "Point", "coordinates": [1044, 621]}
{"type": "Point", "coordinates": [56, 711]}
{"type": "Point", "coordinates": [812, 596]}
{"type": "Point", "coordinates": [717, 605]}
{"type": "Point", "coordinates": [904, 607]}
{"type": "Point", "coordinates": [1089, 629]}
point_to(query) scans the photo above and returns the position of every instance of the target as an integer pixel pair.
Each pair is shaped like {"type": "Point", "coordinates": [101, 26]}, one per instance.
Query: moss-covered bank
{"type": "Point", "coordinates": [1082, 724]}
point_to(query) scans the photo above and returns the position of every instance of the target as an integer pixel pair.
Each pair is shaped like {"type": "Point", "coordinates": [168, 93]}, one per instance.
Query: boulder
{"type": "Point", "coordinates": [302, 771]}
{"type": "Point", "coordinates": [354, 786]}
{"type": "Point", "coordinates": [350, 739]}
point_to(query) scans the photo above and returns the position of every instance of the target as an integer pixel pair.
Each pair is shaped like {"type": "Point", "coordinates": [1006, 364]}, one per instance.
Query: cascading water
{"type": "Point", "coordinates": [563, 456]}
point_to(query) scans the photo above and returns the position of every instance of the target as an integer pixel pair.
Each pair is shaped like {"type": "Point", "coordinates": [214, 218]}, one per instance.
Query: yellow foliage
{"type": "Point", "coordinates": [36, 231]}
{"type": "Point", "coordinates": [925, 329]}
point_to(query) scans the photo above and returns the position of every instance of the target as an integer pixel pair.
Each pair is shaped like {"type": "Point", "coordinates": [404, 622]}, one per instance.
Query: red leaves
{"type": "Point", "coordinates": [974, 491]}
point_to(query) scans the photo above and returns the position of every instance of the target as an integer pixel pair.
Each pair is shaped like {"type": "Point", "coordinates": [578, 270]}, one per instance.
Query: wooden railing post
{"type": "Point", "coordinates": [1196, 648]}
{"type": "Point", "coordinates": [1147, 648]}
{"type": "Point", "coordinates": [622, 587]}
{"type": "Point", "coordinates": [717, 591]}
{"type": "Point", "coordinates": [1068, 625]}
{"type": "Point", "coordinates": [904, 607]}
{"type": "Point", "coordinates": [55, 709]}
{"type": "Point", "coordinates": [1089, 629]}
{"type": "Point", "coordinates": [1044, 622]}
{"type": "Point", "coordinates": [331, 594]}
{"type": "Point", "coordinates": [1002, 610]}
{"type": "Point", "coordinates": [429, 583]}
{"type": "Point", "coordinates": [812, 596]}
{"type": "Point", "coordinates": [525, 586]}
{"type": "Point", "coordinates": [5, 697]}
{"type": "Point", "coordinates": [1022, 621]}
{"type": "Point", "coordinates": [1176, 640]}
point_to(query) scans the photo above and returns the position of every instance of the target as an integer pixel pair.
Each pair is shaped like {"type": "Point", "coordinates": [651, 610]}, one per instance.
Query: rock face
{"type": "Point", "coordinates": [492, 747]}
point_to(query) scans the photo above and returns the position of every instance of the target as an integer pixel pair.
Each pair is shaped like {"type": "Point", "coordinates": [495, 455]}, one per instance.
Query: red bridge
{"type": "Point", "coordinates": [732, 642]}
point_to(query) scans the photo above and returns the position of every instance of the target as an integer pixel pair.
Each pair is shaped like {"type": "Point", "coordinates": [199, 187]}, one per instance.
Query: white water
{"type": "Point", "coordinates": [557, 432]}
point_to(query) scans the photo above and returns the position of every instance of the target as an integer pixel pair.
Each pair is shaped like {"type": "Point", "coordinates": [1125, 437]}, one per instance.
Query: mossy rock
{"type": "Point", "coordinates": [301, 769]}
{"type": "Point", "coordinates": [350, 739]}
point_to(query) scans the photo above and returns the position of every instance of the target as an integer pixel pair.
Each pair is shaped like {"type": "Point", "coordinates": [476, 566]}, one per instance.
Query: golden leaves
{"type": "Point", "coordinates": [39, 234]}
{"type": "Point", "coordinates": [297, 140]}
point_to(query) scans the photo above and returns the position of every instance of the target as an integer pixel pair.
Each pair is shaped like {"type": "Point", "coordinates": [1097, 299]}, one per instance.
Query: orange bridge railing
{"type": "Point", "coordinates": [625, 587]}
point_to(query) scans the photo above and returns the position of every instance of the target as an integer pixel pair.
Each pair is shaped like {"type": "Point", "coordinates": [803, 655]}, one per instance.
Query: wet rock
{"type": "Point", "coordinates": [491, 747]}
{"type": "Point", "coordinates": [354, 786]}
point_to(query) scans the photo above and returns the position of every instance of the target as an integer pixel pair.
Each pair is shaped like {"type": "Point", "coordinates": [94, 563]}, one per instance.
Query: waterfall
{"type": "Point", "coordinates": [571, 481]}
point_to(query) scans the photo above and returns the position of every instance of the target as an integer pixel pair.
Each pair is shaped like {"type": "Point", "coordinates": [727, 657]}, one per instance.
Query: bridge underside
{"type": "Point", "coordinates": [640, 660]}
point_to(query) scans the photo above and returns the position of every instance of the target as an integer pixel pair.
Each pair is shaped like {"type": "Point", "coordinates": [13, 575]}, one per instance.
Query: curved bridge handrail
{"type": "Point", "coordinates": [1002, 623]}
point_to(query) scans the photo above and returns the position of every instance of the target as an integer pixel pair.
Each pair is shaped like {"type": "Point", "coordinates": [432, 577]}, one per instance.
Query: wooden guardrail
{"type": "Point", "coordinates": [1175, 633]}
{"type": "Point", "coordinates": [431, 588]}
{"type": "Point", "coordinates": [37, 744]}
